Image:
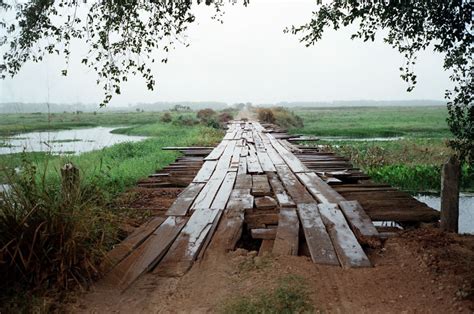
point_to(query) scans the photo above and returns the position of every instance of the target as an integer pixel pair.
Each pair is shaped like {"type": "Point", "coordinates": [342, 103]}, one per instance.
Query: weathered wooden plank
{"type": "Point", "coordinates": [265, 162]}
{"type": "Point", "coordinates": [265, 202]}
{"type": "Point", "coordinates": [260, 220]}
{"type": "Point", "coordinates": [185, 248]}
{"type": "Point", "coordinates": [229, 230]}
{"type": "Point", "coordinates": [286, 239]}
{"type": "Point", "coordinates": [253, 164]}
{"type": "Point", "coordinates": [206, 171]}
{"type": "Point", "coordinates": [260, 185]}
{"type": "Point", "coordinates": [136, 238]}
{"type": "Point", "coordinates": [244, 181]}
{"type": "Point", "coordinates": [224, 191]}
{"type": "Point", "coordinates": [235, 161]}
{"type": "Point", "coordinates": [240, 198]}
{"type": "Point", "coordinates": [185, 199]}
{"type": "Point", "coordinates": [320, 189]}
{"type": "Point", "coordinates": [360, 223]}
{"type": "Point", "coordinates": [217, 152]}
{"type": "Point", "coordinates": [348, 250]}
{"type": "Point", "coordinates": [294, 187]}
{"type": "Point", "coordinates": [284, 200]}
{"type": "Point", "coordinates": [266, 247]}
{"type": "Point", "coordinates": [187, 148]}
{"type": "Point", "coordinates": [209, 191]}
{"type": "Point", "coordinates": [263, 233]}
{"type": "Point", "coordinates": [291, 160]}
{"type": "Point", "coordinates": [242, 166]}
{"type": "Point", "coordinates": [147, 255]}
{"type": "Point", "coordinates": [317, 238]}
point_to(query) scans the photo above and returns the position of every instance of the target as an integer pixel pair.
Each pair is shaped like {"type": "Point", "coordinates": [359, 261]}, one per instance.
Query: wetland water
{"type": "Point", "coordinates": [466, 209]}
{"type": "Point", "coordinates": [74, 141]}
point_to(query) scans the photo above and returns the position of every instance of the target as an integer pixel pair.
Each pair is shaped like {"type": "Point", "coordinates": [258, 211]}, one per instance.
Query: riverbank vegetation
{"type": "Point", "coordinates": [402, 146]}
{"type": "Point", "coordinates": [50, 243]}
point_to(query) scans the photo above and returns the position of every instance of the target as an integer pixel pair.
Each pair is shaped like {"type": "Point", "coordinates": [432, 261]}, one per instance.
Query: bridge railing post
{"type": "Point", "coordinates": [450, 181]}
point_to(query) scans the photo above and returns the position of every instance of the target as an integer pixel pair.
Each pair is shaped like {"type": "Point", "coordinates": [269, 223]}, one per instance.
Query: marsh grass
{"type": "Point", "coordinates": [290, 296]}
{"type": "Point", "coordinates": [50, 244]}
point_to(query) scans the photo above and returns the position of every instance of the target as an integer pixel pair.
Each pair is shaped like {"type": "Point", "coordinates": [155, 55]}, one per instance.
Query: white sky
{"type": "Point", "coordinates": [248, 58]}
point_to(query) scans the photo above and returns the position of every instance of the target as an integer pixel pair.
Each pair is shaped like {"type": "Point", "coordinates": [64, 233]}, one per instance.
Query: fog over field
{"type": "Point", "coordinates": [248, 58]}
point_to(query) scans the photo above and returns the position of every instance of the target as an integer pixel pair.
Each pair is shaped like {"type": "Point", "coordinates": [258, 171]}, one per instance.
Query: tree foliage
{"type": "Point", "coordinates": [412, 26]}
{"type": "Point", "coordinates": [119, 35]}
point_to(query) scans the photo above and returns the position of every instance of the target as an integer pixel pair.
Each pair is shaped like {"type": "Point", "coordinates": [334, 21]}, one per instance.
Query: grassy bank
{"type": "Point", "coordinates": [51, 241]}
{"type": "Point", "coordinates": [412, 163]}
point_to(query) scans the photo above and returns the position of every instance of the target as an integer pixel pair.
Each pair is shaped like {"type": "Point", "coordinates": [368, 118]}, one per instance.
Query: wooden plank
{"type": "Point", "coordinates": [360, 224]}
{"type": "Point", "coordinates": [235, 161]}
{"type": "Point", "coordinates": [265, 162]}
{"type": "Point", "coordinates": [244, 181]}
{"type": "Point", "coordinates": [186, 247]}
{"type": "Point", "coordinates": [182, 204]}
{"type": "Point", "coordinates": [284, 200]}
{"type": "Point", "coordinates": [228, 232]}
{"type": "Point", "coordinates": [240, 198]}
{"type": "Point", "coordinates": [348, 250]}
{"type": "Point", "coordinates": [206, 171]}
{"type": "Point", "coordinates": [209, 191]}
{"type": "Point", "coordinates": [217, 152]}
{"type": "Point", "coordinates": [260, 220]}
{"type": "Point", "coordinates": [264, 233]}
{"type": "Point", "coordinates": [320, 189]}
{"type": "Point", "coordinates": [265, 202]}
{"type": "Point", "coordinates": [286, 239]}
{"type": "Point", "coordinates": [291, 160]}
{"type": "Point", "coordinates": [147, 255]}
{"type": "Point", "coordinates": [224, 191]}
{"type": "Point", "coordinates": [242, 166]}
{"type": "Point", "coordinates": [266, 247]}
{"type": "Point", "coordinates": [260, 185]}
{"type": "Point", "coordinates": [253, 164]}
{"type": "Point", "coordinates": [296, 190]}
{"type": "Point", "coordinates": [137, 237]}
{"type": "Point", "coordinates": [317, 238]}
{"type": "Point", "coordinates": [186, 148]}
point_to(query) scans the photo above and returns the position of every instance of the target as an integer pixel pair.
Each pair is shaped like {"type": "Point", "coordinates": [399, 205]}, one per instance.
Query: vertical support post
{"type": "Point", "coordinates": [70, 181]}
{"type": "Point", "coordinates": [450, 178]}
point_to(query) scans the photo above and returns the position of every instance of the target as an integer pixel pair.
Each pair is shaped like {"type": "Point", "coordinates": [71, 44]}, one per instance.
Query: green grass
{"type": "Point", "coordinates": [21, 123]}
{"type": "Point", "coordinates": [415, 122]}
{"type": "Point", "coordinates": [412, 164]}
{"type": "Point", "coordinates": [120, 166]}
{"type": "Point", "coordinates": [290, 296]}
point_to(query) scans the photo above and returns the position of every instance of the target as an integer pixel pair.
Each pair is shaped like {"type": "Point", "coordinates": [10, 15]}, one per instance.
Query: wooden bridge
{"type": "Point", "coordinates": [256, 185]}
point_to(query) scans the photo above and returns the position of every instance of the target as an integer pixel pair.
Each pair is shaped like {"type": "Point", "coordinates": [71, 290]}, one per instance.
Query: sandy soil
{"type": "Point", "coordinates": [421, 271]}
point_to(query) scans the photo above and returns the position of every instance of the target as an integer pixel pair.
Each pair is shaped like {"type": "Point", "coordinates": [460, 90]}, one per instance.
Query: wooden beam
{"type": "Point", "coordinates": [286, 239]}
{"type": "Point", "coordinates": [348, 250]}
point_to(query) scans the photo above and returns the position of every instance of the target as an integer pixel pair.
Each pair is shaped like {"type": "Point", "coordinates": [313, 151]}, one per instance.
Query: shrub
{"type": "Point", "coordinates": [166, 117]}
{"type": "Point", "coordinates": [224, 117]}
{"type": "Point", "coordinates": [205, 115]}
{"type": "Point", "coordinates": [185, 120]}
{"type": "Point", "coordinates": [50, 241]}
{"type": "Point", "coordinates": [287, 119]}
{"type": "Point", "coordinates": [266, 115]}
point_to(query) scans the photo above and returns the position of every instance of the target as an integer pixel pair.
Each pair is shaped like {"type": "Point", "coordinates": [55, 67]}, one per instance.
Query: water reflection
{"type": "Point", "coordinates": [66, 141]}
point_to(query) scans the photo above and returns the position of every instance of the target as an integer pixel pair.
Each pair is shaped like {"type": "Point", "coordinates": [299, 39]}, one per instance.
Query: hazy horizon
{"type": "Point", "coordinates": [248, 58]}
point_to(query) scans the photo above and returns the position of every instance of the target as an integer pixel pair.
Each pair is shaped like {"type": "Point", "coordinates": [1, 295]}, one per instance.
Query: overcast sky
{"type": "Point", "coordinates": [248, 58]}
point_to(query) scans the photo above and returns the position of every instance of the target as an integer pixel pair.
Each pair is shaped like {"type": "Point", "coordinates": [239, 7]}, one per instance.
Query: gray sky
{"type": "Point", "coordinates": [248, 58]}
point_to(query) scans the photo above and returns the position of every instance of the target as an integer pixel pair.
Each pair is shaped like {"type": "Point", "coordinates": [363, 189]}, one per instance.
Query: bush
{"type": "Point", "coordinates": [185, 120]}
{"type": "Point", "coordinates": [224, 117]}
{"type": "Point", "coordinates": [205, 115]}
{"type": "Point", "coordinates": [266, 115]}
{"type": "Point", "coordinates": [166, 117]}
{"type": "Point", "coordinates": [49, 241]}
